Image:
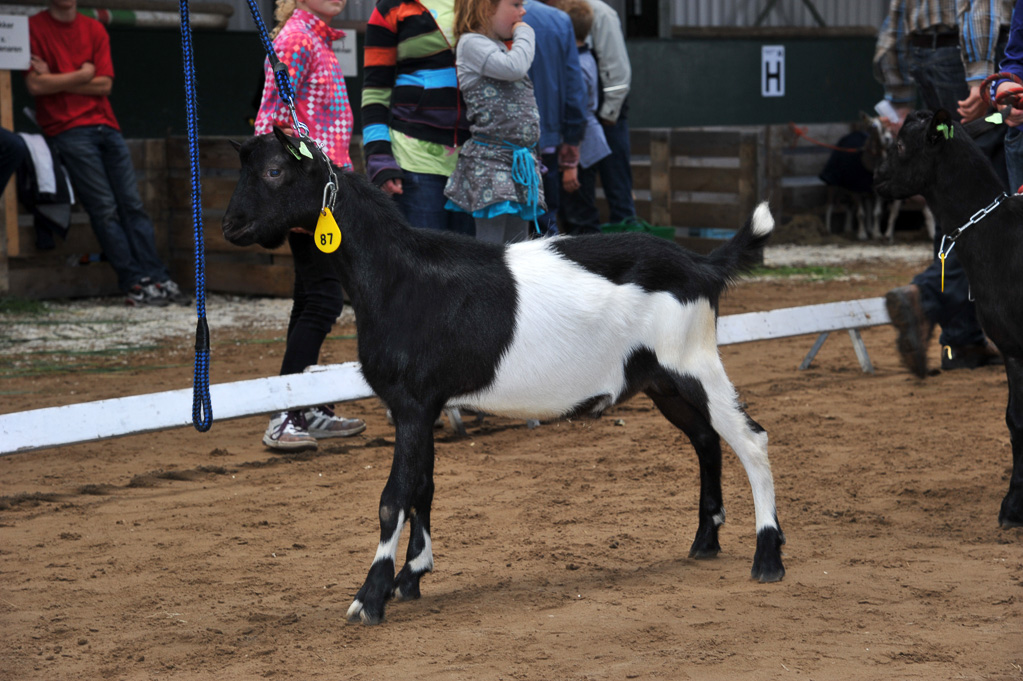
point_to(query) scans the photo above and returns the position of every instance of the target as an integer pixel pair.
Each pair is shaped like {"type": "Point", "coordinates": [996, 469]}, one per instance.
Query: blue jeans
{"type": "Point", "coordinates": [99, 164]}
{"type": "Point", "coordinates": [551, 193]}
{"type": "Point", "coordinates": [579, 208]}
{"type": "Point", "coordinates": [422, 203]}
{"type": "Point", "coordinates": [12, 153]}
{"type": "Point", "coordinates": [315, 305]}
{"type": "Point", "coordinates": [616, 170]}
{"type": "Point", "coordinates": [1014, 157]}
{"type": "Point", "coordinates": [939, 76]}
{"type": "Point", "coordinates": [941, 80]}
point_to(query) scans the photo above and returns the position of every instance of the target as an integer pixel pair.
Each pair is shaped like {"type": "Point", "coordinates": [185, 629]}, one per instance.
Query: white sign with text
{"type": "Point", "coordinates": [344, 50]}
{"type": "Point", "coordinates": [772, 70]}
{"type": "Point", "coordinates": [15, 52]}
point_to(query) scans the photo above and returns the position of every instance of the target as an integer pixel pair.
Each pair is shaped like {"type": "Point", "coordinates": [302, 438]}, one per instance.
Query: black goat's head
{"type": "Point", "coordinates": [281, 187]}
{"type": "Point", "coordinates": [913, 162]}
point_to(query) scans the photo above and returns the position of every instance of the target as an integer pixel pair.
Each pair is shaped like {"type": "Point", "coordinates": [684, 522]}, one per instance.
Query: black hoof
{"type": "Point", "coordinates": [767, 566]}
{"type": "Point", "coordinates": [1011, 513]}
{"type": "Point", "coordinates": [706, 543]}
{"type": "Point", "coordinates": [406, 585]}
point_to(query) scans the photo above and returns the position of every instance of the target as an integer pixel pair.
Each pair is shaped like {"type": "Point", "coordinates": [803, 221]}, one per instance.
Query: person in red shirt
{"type": "Point", "coordinates": [71, 76]}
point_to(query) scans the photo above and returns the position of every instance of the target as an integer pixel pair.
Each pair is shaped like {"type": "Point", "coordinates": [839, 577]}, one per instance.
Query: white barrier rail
{"type": "Point", "coordinates": [87, 421]}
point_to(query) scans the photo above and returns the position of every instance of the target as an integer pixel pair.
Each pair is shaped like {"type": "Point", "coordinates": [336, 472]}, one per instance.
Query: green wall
{"type": "Point", "coordinates": [676, 83]}
{"type": "Point", "coordinates": [149, 88]}
{"type": "Point", "coordinates": [700, 82]}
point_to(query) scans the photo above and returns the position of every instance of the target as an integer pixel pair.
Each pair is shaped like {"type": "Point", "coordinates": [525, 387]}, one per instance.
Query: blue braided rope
{"type": "Point", "coordinates": [280, 70]}
{"type": "Point", "coordinates": [202, 408]}
{"type": "Point", "coordinates": [524, 172]}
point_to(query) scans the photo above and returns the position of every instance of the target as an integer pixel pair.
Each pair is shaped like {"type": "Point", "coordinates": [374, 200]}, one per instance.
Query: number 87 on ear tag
{"type": "Point", "coordinates": [327, 234]}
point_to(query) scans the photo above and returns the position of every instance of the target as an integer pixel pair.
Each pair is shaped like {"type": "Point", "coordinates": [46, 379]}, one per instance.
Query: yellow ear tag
{"type": "Point", "coordinates": [941, 256]}
{"type": "Point", "coordinates": [327, 234]}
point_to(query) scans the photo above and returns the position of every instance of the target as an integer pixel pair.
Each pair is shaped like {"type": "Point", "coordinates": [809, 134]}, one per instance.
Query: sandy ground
{"type": "Point", "coordinates": [561, 552]}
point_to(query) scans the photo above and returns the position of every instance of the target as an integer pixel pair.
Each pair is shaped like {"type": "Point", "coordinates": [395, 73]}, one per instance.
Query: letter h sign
{"type": "Point", "coordinates": [772, 70]}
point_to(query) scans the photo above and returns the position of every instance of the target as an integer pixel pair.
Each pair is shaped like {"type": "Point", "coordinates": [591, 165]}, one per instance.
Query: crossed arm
{"type": "Point", "coordinates": [84, 81]}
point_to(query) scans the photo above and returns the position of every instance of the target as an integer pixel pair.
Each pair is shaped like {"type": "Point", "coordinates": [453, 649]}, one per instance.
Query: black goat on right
{"type": "Point", "coordinates": [934, 156]}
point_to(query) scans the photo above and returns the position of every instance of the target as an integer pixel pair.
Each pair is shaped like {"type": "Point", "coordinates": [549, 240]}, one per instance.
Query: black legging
{"type": "Point", "coordinates": [316, 303]}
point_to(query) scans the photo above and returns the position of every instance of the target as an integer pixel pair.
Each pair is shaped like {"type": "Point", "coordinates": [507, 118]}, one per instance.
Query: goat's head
{"type": "Point", "coordinates": [280, 187]}
{"type": "Point", "coordinates": [914, 161]}
{"type": "Point", "coordinates": [879, 139]}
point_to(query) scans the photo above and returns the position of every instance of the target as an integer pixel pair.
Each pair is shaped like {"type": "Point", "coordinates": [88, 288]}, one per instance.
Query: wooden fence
{"type": "Point", "coordinates": [703, 182]}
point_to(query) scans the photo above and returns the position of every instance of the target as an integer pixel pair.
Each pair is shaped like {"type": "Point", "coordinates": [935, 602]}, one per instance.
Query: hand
{"type": "Point", "coordinates": [392, 186]}
{"type": "Point", "coordinates": [570, 179]}
{"type": "Point", "coordinates": [607, 123]}
{"type": "Point", "coordinates": [1015, 116]}
{"type": "Point", "coordinates": [88, 71]}
{"type": "Point", "coordinates": [973, 107]}
{"type": "Point", "coordinates": [568, 155]}
{"type": "Point", "coordinates": [39, 65]}
{"type": "Point", "coordinates": [516, 25]}
{"type": "Point", "coordinates": [895, 126]}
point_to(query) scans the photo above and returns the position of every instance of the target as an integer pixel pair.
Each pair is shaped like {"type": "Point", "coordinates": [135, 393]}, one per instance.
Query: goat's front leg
{"type": "Point", "coordinates": [413, 459]}
{"type": "Point", "coordinates": [1011, 513]}
{"type": "Point", "coordinates": [893, 215]}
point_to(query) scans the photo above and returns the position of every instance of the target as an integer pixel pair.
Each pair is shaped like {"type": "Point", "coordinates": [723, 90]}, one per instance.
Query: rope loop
{"type": "Point", "coordinates": [202, 412]}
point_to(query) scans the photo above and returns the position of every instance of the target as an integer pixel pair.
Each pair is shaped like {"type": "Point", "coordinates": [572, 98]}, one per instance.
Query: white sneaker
{"type": "Point", "coordinates": [321, 422]}
{"type": "Point", "coordinates": [287, 433]}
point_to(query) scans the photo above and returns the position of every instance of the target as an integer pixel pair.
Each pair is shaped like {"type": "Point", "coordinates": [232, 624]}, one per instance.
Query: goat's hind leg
{"type": "Point", "coordinates": [419, 557]}
{"type": "Point", "coordinates": [683, 402]}
{"type": "Point", "coordinates": [749, 441]}
{"type": "Point", "coordinates": [1011, 512]}
{"type": "Point", "coordinates": [412, 463]}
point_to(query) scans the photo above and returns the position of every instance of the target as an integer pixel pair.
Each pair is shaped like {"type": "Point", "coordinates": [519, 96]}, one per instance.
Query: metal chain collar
{"type": "Point", "coordinates": [974, 219]}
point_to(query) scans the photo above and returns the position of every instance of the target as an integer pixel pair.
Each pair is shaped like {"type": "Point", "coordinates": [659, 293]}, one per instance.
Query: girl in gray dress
{"type": "Point", "coordinates": [497, 178]}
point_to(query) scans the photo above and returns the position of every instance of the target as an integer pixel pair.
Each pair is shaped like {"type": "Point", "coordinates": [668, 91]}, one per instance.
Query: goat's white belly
{"type": "Point", "coordinates": [575, 331]}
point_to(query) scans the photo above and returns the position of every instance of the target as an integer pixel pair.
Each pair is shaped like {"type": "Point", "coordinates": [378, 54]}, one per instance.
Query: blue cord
{"type": "Point", "coordinates": [202, 408]}
{"type": "Point", "coordinates": [524, 173]}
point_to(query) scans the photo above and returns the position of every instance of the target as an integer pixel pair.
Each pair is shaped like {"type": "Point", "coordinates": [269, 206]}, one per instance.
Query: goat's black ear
{"type": "Point", "coordinates": [236, 144]}
{"type": "Point", "coordinates": [940, 127]}
{"type": "Point", "coordinates": [296, 147]}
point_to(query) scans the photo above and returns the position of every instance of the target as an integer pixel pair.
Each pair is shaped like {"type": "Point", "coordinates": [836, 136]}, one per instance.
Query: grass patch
{"type": "Point", "coordinates": [20, 306]}
{"type": "Point", "coordinates": [816, 272]}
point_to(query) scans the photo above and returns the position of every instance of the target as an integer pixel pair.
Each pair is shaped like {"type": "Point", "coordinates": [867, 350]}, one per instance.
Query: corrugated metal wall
{"type": "Point", "coordinates": [683, 12]}
{"type": "Point", "coordinates": [784, 13]}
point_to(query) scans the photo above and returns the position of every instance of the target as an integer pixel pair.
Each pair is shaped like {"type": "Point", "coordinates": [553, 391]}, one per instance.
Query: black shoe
{"type": "Point", "coordinates": [914, 327]}
{"type": "Point", "coordinates": [145, 294]}
{"type": "Point", "coordinates": [969, 356]}
{"type": "Point", "coordinates": [173, 293]}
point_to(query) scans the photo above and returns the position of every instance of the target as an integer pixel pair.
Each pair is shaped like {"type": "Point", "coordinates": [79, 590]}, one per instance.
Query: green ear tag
{"type": "Point", "coordinates": [304, 149]}
{"type": "Point", "coordinates": [327, 234]}
{"type": "Point", "coordinates": [947, 130]}
{"type": "Point", "coordinates": [995, 118]}
{"type": "Point", "coordinates": [294, 152]}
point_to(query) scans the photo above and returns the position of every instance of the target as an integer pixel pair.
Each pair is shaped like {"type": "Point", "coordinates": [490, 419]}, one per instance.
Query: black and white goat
{"type": "Point", "coordinates": [935, 157]}
{"type": "Point", "coordinates": [546, 329]}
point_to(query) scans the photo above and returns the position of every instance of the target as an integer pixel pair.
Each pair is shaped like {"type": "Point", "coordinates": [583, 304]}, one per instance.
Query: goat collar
{"type": "Point", "coordinates": [950, 239]}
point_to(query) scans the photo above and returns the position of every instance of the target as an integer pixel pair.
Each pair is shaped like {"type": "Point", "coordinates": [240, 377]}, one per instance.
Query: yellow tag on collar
{"type": "Point", "coordinates": [327, 235]}
{"type": "Point", "coordinates": [941, 257]}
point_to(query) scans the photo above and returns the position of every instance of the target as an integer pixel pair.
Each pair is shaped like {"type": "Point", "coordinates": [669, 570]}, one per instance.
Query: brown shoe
{"type": "Point", "coordinates": [914, 327]}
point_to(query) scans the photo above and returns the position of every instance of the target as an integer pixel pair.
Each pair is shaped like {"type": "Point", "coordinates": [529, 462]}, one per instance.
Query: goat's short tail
{"type": "Point", "coordinates": [744, 250]}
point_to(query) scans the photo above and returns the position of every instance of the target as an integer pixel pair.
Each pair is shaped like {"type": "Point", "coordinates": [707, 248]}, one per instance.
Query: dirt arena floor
{"type": "Point", "coordinates": [561, 552]}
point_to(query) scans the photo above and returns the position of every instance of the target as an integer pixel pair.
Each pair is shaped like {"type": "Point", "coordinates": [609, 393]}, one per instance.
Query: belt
{"type": "Point", "coordinates": [933, 39]}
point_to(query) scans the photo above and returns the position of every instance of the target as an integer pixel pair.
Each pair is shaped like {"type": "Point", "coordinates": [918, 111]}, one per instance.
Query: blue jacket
{"type": "Point", "coordinates": [557, 79]}
{"type": "Point", "coordinates": [1013, 62]}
